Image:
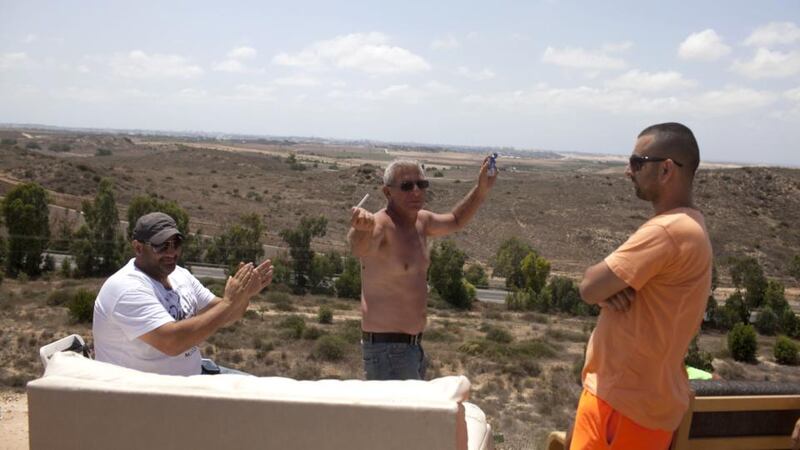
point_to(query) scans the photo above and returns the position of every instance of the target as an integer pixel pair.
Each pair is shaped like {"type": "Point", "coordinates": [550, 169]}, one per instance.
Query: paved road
{"type": "Point", "coordinates": [491, 296]}
{"type": "Point", "coordinates": [217, 273]}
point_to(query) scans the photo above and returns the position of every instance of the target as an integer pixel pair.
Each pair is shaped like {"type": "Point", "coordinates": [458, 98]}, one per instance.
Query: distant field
{"type": "Point", "coordinates": [573, 210]}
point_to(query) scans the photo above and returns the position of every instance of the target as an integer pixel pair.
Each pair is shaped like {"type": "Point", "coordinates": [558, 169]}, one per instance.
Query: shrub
{"type": "Point", "coordinates": [60, 297]}
{"type": "Point", "coordinates": [500, 335]}
{"type": "Point", "coordinates": [103, 152]}
{"type": "Point", "coordinates": [330, 348]}
{"type": "Point", "coordinates": [767, 322]}
{"type": "Point", "coordinates": [325, 315]}
{"type": "Point", "coordinates": [476, 275]}
{"type": "Point", "coordinates": [786, 351]}
{"type": "Point", "coordinates": [697, 358]}
{"type": "Point", "coordinates": [348, 285]}
{"type": "Point", "coordinates": [66, 268]}
{"type": "Point", "coordinates": [742, 343]}
{"type": "Point", "coordinates": [81, 306]}
{"type": "Point", "coordinates": [312, 333]}
{"type": "Point", "coordinates": [446, 273]}
{"type": "Point", "coordinates": [790, 324]}
{"type": "Point", "coordinates": [292, 326]}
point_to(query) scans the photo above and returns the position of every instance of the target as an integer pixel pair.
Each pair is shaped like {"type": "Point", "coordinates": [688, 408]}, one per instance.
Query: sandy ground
{"type": "Point", "coordinates": [13, 420]}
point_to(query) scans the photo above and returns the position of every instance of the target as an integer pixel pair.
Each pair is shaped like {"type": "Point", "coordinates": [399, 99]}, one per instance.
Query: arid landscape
{"type": "Point", "coordinates": [524, 366]}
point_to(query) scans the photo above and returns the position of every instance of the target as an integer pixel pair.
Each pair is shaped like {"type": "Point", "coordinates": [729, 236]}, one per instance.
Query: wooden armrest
{"type": "Point", "coordinates": [556, 440]}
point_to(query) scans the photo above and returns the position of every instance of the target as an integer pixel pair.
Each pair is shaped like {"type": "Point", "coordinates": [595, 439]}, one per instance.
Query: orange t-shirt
{"type": "Point", "coordinates": [634, 359]}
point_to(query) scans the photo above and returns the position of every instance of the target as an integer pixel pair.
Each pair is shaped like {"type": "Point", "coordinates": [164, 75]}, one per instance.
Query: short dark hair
{"type": "Point", "coordinates": [674, 140]}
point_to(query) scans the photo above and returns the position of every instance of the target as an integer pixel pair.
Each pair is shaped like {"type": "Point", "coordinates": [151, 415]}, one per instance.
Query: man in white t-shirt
{"type": "Point", "coordinates": [152, 314]}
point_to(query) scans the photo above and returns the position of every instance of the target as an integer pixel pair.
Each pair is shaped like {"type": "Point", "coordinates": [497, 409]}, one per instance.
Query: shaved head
{"type": "Point", "coordinates": [675, 141]}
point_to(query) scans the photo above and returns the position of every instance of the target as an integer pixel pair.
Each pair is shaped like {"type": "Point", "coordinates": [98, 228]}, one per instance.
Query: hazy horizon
{"type": "Point", "coordinates": [554, 75]}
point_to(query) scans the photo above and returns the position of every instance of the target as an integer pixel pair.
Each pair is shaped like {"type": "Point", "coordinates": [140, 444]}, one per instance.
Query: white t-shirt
{"type": "Point", "coordinates": [130, 304]}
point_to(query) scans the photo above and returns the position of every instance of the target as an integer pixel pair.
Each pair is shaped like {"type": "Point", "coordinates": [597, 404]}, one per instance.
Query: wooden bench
{"type": "Point", "coordinates": [732, 415]}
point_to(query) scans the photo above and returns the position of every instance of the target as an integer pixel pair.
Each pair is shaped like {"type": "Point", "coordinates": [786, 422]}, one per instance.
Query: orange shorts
{"type": "Point", "coordinates": [599, 427]}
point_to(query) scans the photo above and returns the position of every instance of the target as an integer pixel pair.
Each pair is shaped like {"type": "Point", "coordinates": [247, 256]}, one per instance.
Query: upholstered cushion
{"type": "Point", "coordinates": [84, 404]}
{"type": "Point", "coordinates": [450, 389]}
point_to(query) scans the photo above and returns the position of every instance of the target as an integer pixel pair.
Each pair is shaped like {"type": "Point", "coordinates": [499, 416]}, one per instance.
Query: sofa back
{"type": "Point", "coordinates": [85, 404]}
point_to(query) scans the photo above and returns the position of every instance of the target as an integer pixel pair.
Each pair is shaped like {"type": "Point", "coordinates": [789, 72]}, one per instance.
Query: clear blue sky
{"type": "Point", "coordinates": [557, 75]}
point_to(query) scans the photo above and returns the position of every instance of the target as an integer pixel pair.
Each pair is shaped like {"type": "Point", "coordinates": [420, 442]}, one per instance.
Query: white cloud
{"type": "Point", "coordinates": [448, 42]}
{"type": "Point", "coordinates": [399, 93]}
{"type": "Point", "coordinates": [82, 68]}
{"type": "Point", "coordinates": [480, 75]}
{"type": "Point", "coordinates": [251, 93]}
{"type": "Point", "coordinates": [436, 87]}
{"type": "Point", "coordinates": [192, 94]}
{"type": "Point", "coordinates": [617, 47]}
{"type": "Point", "coordinates": [235, 63]}
{"type": "Point", "coordinates": [732, 100]}
{"type": "Point", "coordinates": [769, 64]}
{"type": "Point", "coordinates": [242, 53]}
{"type": "Point", "coordinates": [30, 38]}
{"type": "Point", "coordinates": [793, 95]}
{"type": "Point", "coordinates": [367, 52]}
{"type": "Point", "coordinates": [230, 65]}
{"type": "Point", "coordinates": [651, 82]}
{"type": "Point", "coordinates": [579, 58]}
{"type": "Point", "coordinates": [297, 81]}
{"type": "Point", "coordinates": [138, 64]}
{"type": "Point", "coordinates": [14, 60]}
{"type": "Point", "coordinates": [774, 33]}
{"type": "Point", "coordinates": [706, 45]}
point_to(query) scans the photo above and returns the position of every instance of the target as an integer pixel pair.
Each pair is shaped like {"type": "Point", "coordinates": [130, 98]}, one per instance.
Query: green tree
{"type": "Point", "coordinates": [239, 242]}
{"type": "Point", "coordinates": [63, 231]}
{"type": "Point", "coordinates": [446, 273]}
{"type": "Point", "coordinates": [737, 307]}
{"type": "Point", "coordinates": [742, 343]}
{"type": "Point", "coordinates": [98, 246]}
{"type": "Point", "coordinates": [348, 285]}
{"type": "Point", "coordinates": [747, 273]}
{"type": "Point", "coordinates": [565, 295]}
{"type": "Point", "coordinates": [697, 358]}
{"type": "Point", "coordinates": [27, 220]}
{"type": "Point", "coordinates": [775, 296]}
{"type": "Point", "coordinates": [299, 240]}
{"type": "Point", "coordinates": [785, 351]}
{"type": "Point", "coordinates": [790, 323]}
{"type": "Point", "coordinates": [508, 258]}
{"type": "Point", "coordinates": [320, 275]}
{"type": "Point", "coordinates": [476, 275]}
{"type": "Point", "coordinates": [767, 322]}
{"type": "Point", "coordinates": [535, 270]}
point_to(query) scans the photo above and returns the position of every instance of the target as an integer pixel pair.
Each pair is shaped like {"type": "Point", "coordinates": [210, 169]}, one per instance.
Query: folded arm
{"type": "Point", "coordinates": [601, 286]}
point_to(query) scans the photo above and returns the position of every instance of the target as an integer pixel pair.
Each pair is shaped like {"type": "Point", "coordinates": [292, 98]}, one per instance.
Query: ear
{"type": "Point", "coordinates": [137, 247]}
{"type": "Point", "coordinates": [387, 193]}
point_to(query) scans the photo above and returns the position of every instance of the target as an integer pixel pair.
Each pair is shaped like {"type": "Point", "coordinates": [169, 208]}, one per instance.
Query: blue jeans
{"type": "Point", "coordinates": [393, 361]}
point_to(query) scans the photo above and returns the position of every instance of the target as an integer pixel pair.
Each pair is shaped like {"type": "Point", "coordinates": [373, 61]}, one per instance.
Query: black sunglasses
{"type": "Point", "coordinates": [637, 161]}
{"type": "Point", "coordinates": [166, 245]}
{"type": "Point", "coordinates": [408, 186]}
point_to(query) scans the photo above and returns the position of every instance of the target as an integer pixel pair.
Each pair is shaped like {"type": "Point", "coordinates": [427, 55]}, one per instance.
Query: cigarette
{"type": "Point", "coordinates": [361, 203]}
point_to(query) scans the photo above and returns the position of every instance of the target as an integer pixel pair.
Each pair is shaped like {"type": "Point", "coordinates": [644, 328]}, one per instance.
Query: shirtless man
{"type": "Point", "coordinates": [392, 245]}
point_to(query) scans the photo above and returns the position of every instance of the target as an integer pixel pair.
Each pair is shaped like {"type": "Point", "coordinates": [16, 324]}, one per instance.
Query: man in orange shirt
{"type": "Point", "coordinates": [652, 291]}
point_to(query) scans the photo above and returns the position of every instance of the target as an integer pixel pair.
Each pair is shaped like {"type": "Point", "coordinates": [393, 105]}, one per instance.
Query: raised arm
{"type": "Point", "coordinates": [442, 224]}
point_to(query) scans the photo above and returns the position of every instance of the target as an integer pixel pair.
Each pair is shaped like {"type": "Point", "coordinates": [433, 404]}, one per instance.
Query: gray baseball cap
{"type": "Point", "coordinates": [155, 228]}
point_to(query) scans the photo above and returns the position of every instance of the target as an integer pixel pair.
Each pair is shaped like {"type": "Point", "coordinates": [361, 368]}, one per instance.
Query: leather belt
{"type": "Point", "coordinates": [381, 338]}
